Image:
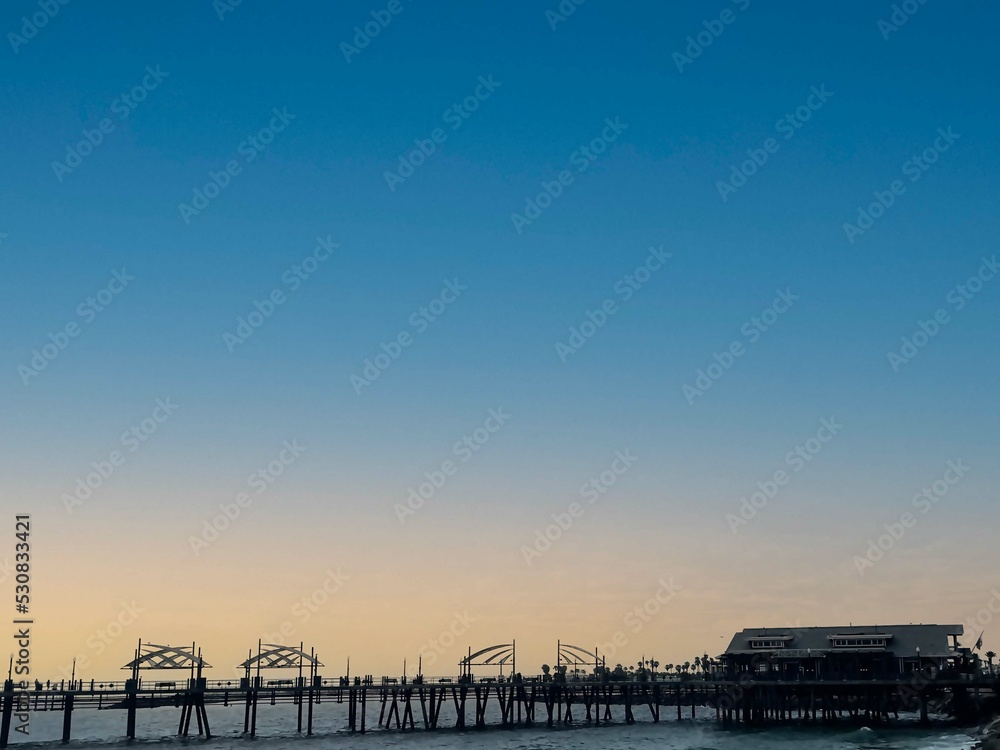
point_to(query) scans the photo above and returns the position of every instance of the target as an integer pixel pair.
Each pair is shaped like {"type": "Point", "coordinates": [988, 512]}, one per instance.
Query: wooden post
{"type": "Point", "coordinates": [463, 692]}
{"type": "Point", "coordinates": [559, 701]}
{"type": "Point", "coordinates": [408, 710]}
{"type": "Point", "coordinates": [313, 674]}
{"type": "Point", "coordinates": [199, 701]}
{"type": "Point", "coordinates": [67, 716]}
{"type": "Point", "coordinates": [364, 703]}
{"type": "Point", "coordinates": [423, 705]}
{"type": "Point", "coordinates": [297, 696]}
{"type": "Point", "coordinates": [253, 709]}
{"type": "Point", "coordinates": [246, 712]}
{"type": "Point", "coordinates": [256, 684]}
{"type": "Point", "coordinates": [188, 702]}
{"type": "Point", "coordinates": [298, 689]}
{"type": "Point", "coordinates": [131, 700]}
{"type": "Point", "coordinates": [8, 711]}
{"type": "Point", "coordinates": [204, 718]}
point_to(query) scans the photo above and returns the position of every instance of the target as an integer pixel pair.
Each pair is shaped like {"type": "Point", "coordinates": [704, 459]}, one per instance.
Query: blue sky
{"type": "Point", "coordinates": [656, 185]}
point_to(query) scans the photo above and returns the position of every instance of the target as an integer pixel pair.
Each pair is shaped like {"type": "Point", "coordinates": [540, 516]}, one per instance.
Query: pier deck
{"type": "Point", "coordinates": [407, 706]}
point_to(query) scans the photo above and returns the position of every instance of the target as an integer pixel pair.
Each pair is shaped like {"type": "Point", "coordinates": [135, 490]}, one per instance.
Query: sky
{"type": "Point", "coordinates": [400, 328]}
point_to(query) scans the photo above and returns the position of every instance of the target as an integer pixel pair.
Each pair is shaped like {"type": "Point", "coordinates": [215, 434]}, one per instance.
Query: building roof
{"type": "Point", "coordinates": [932, 640]}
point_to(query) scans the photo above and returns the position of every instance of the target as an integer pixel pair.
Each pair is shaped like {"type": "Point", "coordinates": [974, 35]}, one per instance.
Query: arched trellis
{"type": "Point", "coordinates": [493, 656]}
{"type": "Point", "coordinates": [153, 656]}
{"type": "Point", "coordinates": [277, 656]}
{"type": "Point", "coordinates": [567, 653]}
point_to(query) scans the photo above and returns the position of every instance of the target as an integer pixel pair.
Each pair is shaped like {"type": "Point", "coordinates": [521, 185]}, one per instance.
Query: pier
{"type": "Point", "coordinates": [478, 702]}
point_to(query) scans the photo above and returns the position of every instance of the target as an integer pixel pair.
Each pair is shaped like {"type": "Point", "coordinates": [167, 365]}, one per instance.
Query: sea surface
{"type": "Point", "coordinates": [276, 731]}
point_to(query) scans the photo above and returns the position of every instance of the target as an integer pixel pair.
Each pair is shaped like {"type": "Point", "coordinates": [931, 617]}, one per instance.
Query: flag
{"type": "Point", "coordinates": [979, 643]}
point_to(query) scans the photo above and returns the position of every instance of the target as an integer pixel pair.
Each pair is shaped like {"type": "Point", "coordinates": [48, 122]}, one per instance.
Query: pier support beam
{"type": "Point", "coordinates": [8, 711]}
{"type": "Point", "coordinates": [364, 704]}
{"type": "Point", "coordinates": [131, 700]}
{"type": "Point", "coordinates": [67, 716]}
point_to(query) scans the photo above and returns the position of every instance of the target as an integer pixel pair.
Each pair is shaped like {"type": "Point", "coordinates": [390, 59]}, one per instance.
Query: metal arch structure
{"type": "Point", "coordinates": [153, 656]}
{"type": "Point", "coordinates": [492, 656]}
{"type": "Point", "coordinates": [568, 654]}
{"type": "Point", "coordinates": [281, 657]}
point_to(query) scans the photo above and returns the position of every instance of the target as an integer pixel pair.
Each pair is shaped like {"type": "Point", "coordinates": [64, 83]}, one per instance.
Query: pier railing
{"type": "Point", "coordinates": [161, 685]}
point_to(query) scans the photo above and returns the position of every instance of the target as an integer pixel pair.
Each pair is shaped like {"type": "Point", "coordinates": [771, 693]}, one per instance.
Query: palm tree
{"type": "Point", "coordinates": [697, 663]}
{"type": "Point", "coordinates": [990, 656]}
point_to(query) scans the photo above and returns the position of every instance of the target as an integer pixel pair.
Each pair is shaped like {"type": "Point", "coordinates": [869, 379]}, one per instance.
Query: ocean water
{"type": "Point", "coordinates": [276, 731]}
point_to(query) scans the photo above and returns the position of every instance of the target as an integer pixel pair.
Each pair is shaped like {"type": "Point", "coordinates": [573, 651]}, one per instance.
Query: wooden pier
{"type": "Point", "coordinates": [518, 703]}
{"type": "Point", "coordinates": [402, 705]}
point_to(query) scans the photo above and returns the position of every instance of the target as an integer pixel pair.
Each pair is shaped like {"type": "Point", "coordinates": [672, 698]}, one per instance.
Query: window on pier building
{"type": "Point", "coordinates": [762, 643]}
{"type": "Point", "coordinates": [858, 642]}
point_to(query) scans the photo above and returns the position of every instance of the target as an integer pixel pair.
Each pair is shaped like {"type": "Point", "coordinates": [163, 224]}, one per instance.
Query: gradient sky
{"type": "Point", "coordinates": [494, 347]}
